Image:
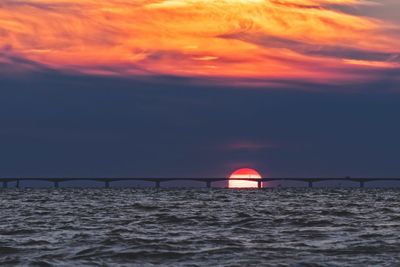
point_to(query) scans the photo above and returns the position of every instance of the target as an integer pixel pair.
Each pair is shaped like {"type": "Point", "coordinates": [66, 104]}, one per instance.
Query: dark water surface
{"type": "Point", "coordinates": [198, 227]}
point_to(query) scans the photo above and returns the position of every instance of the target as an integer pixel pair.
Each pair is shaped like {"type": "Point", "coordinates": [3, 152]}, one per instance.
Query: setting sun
{"type": "Point", "coordinates": [244, 173]}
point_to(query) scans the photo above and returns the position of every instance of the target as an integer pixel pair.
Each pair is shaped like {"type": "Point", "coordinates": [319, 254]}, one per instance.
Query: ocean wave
{"type": "Point", "coordinates": [186, 227]}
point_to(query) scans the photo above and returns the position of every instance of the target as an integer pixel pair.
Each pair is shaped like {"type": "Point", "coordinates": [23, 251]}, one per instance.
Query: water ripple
{"type": "Point", "coordinates": [192, 227]}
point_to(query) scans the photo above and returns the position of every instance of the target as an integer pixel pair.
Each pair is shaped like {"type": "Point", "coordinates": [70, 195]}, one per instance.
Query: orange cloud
{"type": "Point", "coordinates": [252, 39]}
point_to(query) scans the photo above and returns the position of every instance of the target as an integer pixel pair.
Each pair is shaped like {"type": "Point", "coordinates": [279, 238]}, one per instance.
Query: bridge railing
{"type": "Point", "coordinates": [208, 181]}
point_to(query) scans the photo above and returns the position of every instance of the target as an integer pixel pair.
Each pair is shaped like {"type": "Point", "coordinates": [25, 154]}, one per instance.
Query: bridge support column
{"type": "Point", "coordinates": [17, 184]}
{"type": "Point", "coordinates": [310, 184]}
{"type": "Point", "coordinates": [208, 184]}
{"type": "Point", "coordinates": [56, 185]}
{"type": "Point", "coordinates": [362, 183]}
{"type": "Point", "coordinates": [259, 184]}
{"type": "Point", "coordinates": [5, 184]}
{"type": "Point", "coordinates": [106, 184]}
{"type": "Point", "coordinates": [158, 184]}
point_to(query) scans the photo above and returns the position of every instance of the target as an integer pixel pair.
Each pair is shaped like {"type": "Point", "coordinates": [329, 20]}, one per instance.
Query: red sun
{"type": "Point", "coordinates": [244, 173]}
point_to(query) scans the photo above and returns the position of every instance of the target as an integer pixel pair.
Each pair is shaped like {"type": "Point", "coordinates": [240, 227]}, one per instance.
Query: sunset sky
{"type": "Point", "coordinates": [199, 87]}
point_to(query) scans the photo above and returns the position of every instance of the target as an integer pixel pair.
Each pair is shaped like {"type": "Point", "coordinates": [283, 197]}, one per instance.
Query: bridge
{"type": "Point", "coordinates": [208, 181]}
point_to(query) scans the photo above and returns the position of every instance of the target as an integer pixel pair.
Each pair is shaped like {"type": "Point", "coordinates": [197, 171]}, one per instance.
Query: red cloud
{"type": "Point", "coordinates": [200, 38]}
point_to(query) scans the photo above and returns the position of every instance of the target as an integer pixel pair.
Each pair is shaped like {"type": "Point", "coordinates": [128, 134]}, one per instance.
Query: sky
{"type": "Point", "coordinates": [190, 88]}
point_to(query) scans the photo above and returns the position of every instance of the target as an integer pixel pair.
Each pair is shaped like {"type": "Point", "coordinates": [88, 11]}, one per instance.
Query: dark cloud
{"type": "Point", "coordinates": [383, 9]}
{"type": "Point", "coordinates": [13, 65]}
{"type": "Point", "coordinates": [336, 51]}
{"type": "Point", "coordinates": [45, 6]}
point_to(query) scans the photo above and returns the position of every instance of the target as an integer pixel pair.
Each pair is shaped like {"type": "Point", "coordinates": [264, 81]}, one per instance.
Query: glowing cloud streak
{"type": "Point", "coordinates": [249, 39]}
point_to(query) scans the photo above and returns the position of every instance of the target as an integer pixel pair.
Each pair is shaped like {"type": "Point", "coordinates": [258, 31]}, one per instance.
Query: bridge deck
{"type": "Point", "coordinates": [208, 181]}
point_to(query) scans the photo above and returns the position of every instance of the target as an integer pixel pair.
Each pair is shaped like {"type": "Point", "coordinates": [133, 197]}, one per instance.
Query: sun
{"type": "Point", "coordinates": [244, 173]}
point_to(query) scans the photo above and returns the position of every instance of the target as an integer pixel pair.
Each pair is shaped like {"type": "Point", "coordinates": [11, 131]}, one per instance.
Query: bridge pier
{"type": "Point", "coordinates": [56, 185]}
{"type": "Point", "coordinates": [362, 184]}
{"type": "Point", "coordinates": [310, 184]}
{"type": "Point", "coordinates": [17, 184]}
{"type": "Point", "coordinates": [106, 184]}
{"type": "Point", "coordinates": [158, 184]}
{"type": "Point", "coordinates": [208, 184]}
{"type": "Point", "coordinates": [259, 184]}
{"type": "Point", "coordinates": [5, 184]}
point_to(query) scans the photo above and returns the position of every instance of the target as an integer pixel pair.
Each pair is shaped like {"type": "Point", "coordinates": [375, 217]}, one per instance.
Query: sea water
{"type": "Point", "coordinates": [200, 227]}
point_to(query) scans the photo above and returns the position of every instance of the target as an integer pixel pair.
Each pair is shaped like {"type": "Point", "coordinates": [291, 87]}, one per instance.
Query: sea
{"type": "Point", "coordinates": [200, 227]}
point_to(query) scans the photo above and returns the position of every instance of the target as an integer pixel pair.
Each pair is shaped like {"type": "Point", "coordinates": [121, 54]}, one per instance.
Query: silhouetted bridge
{"type": "Point", "coordinates": [208, 181]}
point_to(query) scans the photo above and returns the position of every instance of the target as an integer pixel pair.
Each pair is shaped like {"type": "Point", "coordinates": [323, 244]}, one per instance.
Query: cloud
{"type": "Point", "coordinates": [331, 51]}
{"type": "Point", "coordinates": [13, 65]}
{"type": "Point", "coordinates": [304, 40]}
{"type": "Point", "coordinates": [247, 145]}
